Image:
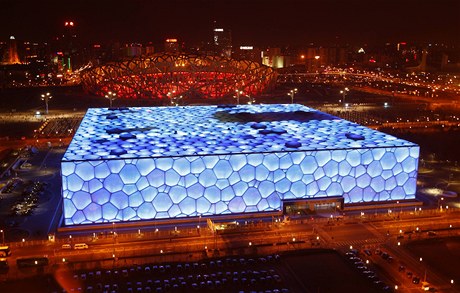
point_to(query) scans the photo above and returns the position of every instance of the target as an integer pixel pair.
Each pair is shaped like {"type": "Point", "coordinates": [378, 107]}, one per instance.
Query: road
{"type": "Point", "coordinates": [189, 243]}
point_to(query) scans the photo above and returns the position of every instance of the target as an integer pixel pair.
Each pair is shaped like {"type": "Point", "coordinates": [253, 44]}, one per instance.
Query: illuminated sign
{"type": "Point", "coordinates": [218, 29]}
{"type": "Point", "coordinates": [246, 47]}
{"type": "Point", "coordinates": [171, 40]}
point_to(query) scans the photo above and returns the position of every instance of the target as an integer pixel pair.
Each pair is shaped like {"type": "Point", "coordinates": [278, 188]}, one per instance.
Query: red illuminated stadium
{"type": "Point", "coordinates": [168, 75]}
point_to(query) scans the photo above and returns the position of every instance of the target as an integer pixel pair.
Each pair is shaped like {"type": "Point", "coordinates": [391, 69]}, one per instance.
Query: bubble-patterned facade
{"type": "Point", "coordinates": [129, 164]}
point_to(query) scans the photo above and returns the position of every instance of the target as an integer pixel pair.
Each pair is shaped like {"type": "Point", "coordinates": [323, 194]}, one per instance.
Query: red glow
{"type": "Point", "coordinates": [403, 43]}
{"type": "Point", "coordinates": [209, 84]}
{"type": "Point", "coordinates": [372, 60]}
{"type": "Point", "coordinates": [96, 46]}
{"type": "Point", "coordinates": [205, 76]}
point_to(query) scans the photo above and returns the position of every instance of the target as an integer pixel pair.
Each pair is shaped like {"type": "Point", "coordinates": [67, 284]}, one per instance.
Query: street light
{"type": "Point", "coordinates": [111, 96]}
{"type": "Point", "coordinates": [344, 94]}
{"type": "Point", "coordinates": [3, 236]}
{"type": "Point", "coordinates": [292, 94]}
{"type": "Point", "coordinates": [238, 93]}
{"type": "Point", "coordinates": [424, 278]}
{"type": "Point", "coordinates": [46, 97]}
{"type": "Point", "coordinates": [174, 100]}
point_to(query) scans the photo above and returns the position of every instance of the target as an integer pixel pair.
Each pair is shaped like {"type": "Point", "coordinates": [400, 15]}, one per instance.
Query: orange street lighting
{"type": "Point", "coordinates": [111, 96]}
{"type": "Point", "coordinates": [46, 97]}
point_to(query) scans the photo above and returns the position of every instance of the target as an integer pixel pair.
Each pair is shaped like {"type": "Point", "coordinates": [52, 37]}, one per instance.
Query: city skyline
{"type": "Point", "coordinates": [262, 23]}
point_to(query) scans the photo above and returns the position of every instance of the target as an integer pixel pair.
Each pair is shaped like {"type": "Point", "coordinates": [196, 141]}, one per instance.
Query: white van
{"type": "Point", "coordinates": [80, 246]}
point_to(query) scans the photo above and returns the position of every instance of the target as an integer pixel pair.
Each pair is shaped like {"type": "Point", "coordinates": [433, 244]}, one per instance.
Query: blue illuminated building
{"type": "Point", "coordinates": [129, 164]}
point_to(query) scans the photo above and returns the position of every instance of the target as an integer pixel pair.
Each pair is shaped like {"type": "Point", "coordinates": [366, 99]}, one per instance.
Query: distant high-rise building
{"type": "Point", "coordinates": [133, 50]}
{"type": "Point", "coordinates": [248, 53]}
{"type": "Point", "coordinates": [171, 45]}
{"type": "Point", "coordinates": [149, 49]}
{"type": "Point", "coordinates": [222, 41]}
{"type": "Point", "coordinates": [68, 51]}
{"type": "Point", "coordinates": [273, 57]}
{"type": "Point", "coordinates": [11, 53]}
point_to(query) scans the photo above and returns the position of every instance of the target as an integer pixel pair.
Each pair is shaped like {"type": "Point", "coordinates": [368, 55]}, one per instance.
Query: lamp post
{"type": "Point", "coordinates": [46, 97]}
{"type": "Point", "coordinates": [440, 201]}
{"type": "Point", "coordinates": [292, 94]}
{"type": "Point", "coordinates": [316, 62]}
{"type": "Point", "coordinates": [3, 236]}
{"type": "Point", "coordinates": [344, 94]}
{"type": "Point", "coordinates": [237, 95]}
{"type": "Point", "coordinates": [175, 100]}
{"type": "Point", "coordinates": [424, 277]}
{"type": "Point", "coordinates": [111, 96]}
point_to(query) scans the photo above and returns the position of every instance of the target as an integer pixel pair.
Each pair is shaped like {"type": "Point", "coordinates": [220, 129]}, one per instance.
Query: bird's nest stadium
{"type": "Point", "coordinates": [168, 75]}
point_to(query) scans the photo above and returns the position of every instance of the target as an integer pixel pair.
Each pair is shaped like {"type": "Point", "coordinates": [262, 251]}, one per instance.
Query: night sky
{"type": "Point", "coordinates": [256, 22]}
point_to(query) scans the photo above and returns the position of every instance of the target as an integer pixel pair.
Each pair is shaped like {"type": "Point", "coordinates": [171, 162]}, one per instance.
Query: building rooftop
{"type": "Point", "coordinates": [151, 132]}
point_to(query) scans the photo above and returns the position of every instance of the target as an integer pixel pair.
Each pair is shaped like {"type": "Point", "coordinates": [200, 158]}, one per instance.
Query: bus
{"type": "Point", "coordinates": [5, 251]}
{"type": "Point", "coordinates": [32, 262]}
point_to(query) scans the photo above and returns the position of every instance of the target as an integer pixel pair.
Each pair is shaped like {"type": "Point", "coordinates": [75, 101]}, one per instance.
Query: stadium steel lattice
{"type": "Point", "coordinates": [168, 75]}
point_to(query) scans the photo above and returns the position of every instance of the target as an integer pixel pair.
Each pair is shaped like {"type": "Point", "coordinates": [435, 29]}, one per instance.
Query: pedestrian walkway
{"type": "Point", "coordinates": [360, 243]}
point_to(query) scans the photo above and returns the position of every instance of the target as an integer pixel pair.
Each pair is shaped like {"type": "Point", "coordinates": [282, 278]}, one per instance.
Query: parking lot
{"type": "Point", "coordinates": [301, 271]}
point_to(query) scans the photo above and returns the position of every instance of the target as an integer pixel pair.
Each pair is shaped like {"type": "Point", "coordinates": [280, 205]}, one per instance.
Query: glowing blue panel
{"type": "Point", "coordinates": [74, 183]}
{"type": "Point", "coordinates": [207, 178]}
{"type": "Point", "coordinates": [109, 212]}
{"type": "Point", "coordinates": [182, 166]}
{"type": "Point", "coordinates": [135, 199]}
{"type": "Point", "coordinates": [69, 209]}
{"type": "Point", "coordinates": [162, 202]}
{"type": "Point", "coordinates": [146, 211]}
{"type": "Point", "coordinates": [251, 196]}
{"type": "Point", "coordinates": [223, 169]}
{"type": "Point", "coordinates": [374, 169]}
{"type": "Point", "coordinates": [145, 166]}
{"type": "Point", "coordinates": [93, 212]}
{"type": "Point", "coordinates": [172, 178]}
{"type": "Point", "coordinates": [102, 170]}
{"type": "Point", "coordinates": [177, 193]}
{"type": "Point", "coordinates": [212, 194]}
{"type": "Point", "coordinates": [67, 169]}
{"type": "Point", "coordinates": [294, 173]}
{"type": "Point", "coordinates": [202, 205]}
{"type": "Point", "coordinates": [237, 205]}
{"type": "Point", "coordinates": [81, 199]}
{"type": "Point", "coordinates": [100, 197]}
{"type": "Point", "coordinates": [248, 173]}
{"type": "Point", "coordinates": [129, 174]}
{"type": "Point", "coordinates": [149, 193]}
{"type": "Point", "coordinates": [388, 161]}
{"type": "Point", "coordinates": [85, 171]}
{"type": "Point", "coordinates": [119, 200]}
